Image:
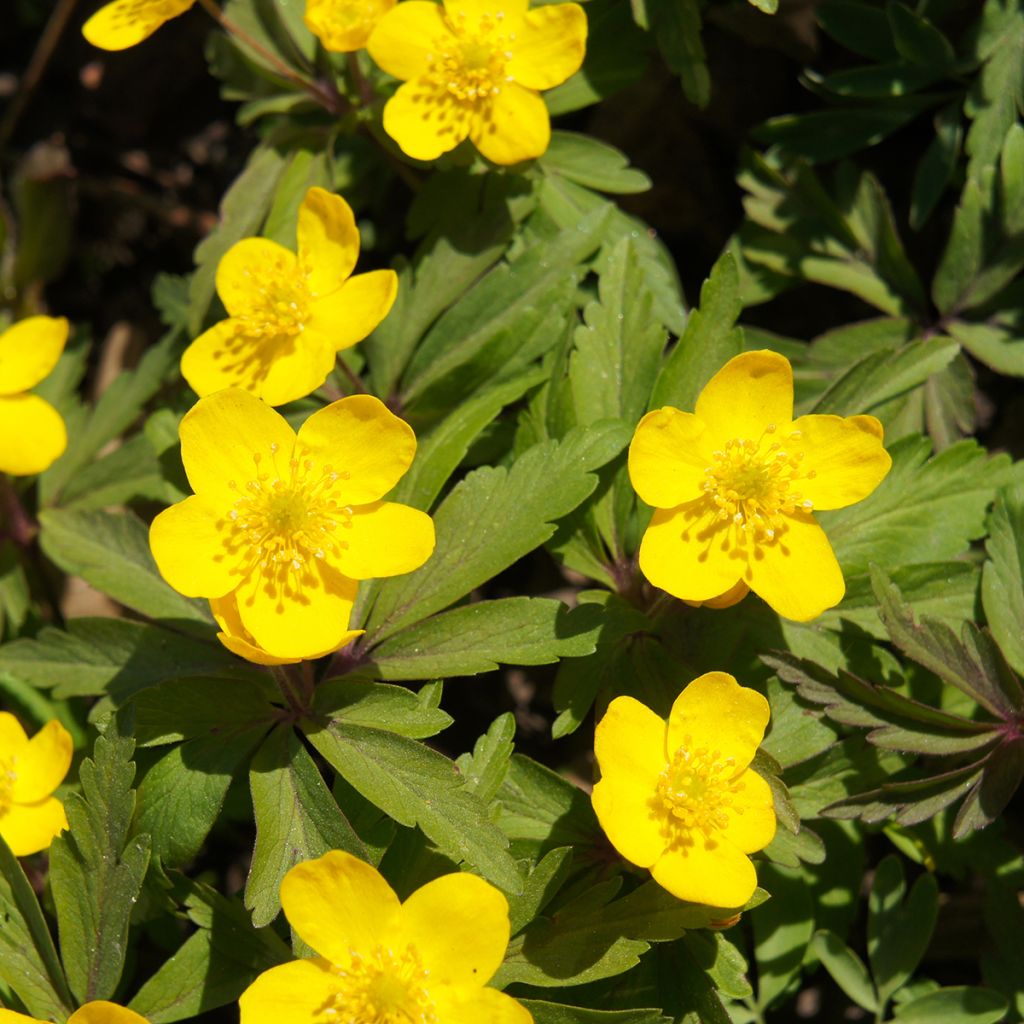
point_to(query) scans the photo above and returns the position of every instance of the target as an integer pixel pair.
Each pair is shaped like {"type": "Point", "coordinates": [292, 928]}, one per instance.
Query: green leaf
{"type": "Point", "coordinates": [559, 1013]}
{"type": "Point", "coordinates": [1002, 579]}
{"type": "Point", "coordinates": [708, 343]}
{"type": "Point", "coordinates": [782, 930]}
{"type": "Point", "coordinates": [297, 819]}
{"type": "Point", "coordinates": [847, 969]}
{"type": "Point", "coordinates": [97, 868]}
{"type": "Point", "coordinates": [485, 769]}
{"type": "Point", "coordinates": [859, 26]}
{"type": "Point", "coordinates": [478, 637]}
{"type": "Point", "coordinates": [677, 27]}
{"type": "Point", "coordinates": [954, 1006]}
{"type": "Point", "coordinates": [417, 786]}
{"type": "Point", "coordinates": [381, 706]}
{"type": "Point", "coordinates": [592, 163]}
{"type": "Point", "coordinates": [491, 519]}
{"type": "Point", "coordinates": [29, 964]}
{"type": "Point", "coordinates": [935, 169]}
{"type": "Point", "coordinates": [1002, 773]}
{"type": "Point", "coordinates": [995, 346]}
{"type": "Point", "coordinates": [110, 550]}
{"type": "Point", "coordinates": [917, 39]}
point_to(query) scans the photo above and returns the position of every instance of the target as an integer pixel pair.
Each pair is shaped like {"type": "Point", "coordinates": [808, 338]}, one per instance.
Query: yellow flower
{"type": "Point", "coordinates": [282, 527]}
{"type": "Point", "coordinates": [30, 770]}
{"type": "Point", "coordinates": [424, 961]}
{"type": "Point", "coordinates": [289, 315]}
{"type": "Point", "coordinates": [97, 1012]}
{"type": "Point", "coordinates": [344, 25]}
{"type": "Point", "coordinates": [734, 484]}
{"type": "Point", "coordinates": [124, 23]}
{"type": "Point", "coordinates": [472, 69]}
{"type": "Point", "coordinates": [678, 797]}
{"type": "Point", "coordinates": [32, 433]}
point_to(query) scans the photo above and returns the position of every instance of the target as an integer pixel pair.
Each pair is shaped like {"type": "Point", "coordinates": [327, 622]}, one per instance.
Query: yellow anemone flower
{"type": "Point", "coordinates": [423, 961]}
{"type": "Point", "coordinates": [344, 25]}
{"type": "Point", "coordinates": [290, 314]}
{"type": "Point", "coordinates": [472, 69]}
{"type": "Point", "coordinates": [678, 797]}
{"type": "Point", "coordinates": [30, 770]}
{"type": "Point", "coordinates": [32, 433]}
{"type": "Point", "coordinates": [282, 526]}
{"type": "Point", "coordinates": [97, 1012]}
{"type": "Point", "coordinates": [124, 23]}
{"type": "Point", "coordinates": [734, 485]}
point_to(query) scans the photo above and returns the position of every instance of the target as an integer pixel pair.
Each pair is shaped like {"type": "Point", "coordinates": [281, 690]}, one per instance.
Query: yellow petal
{"type": "Point", "coordinates": [732, 596]}
{"type": "Point", "coordinates": [10, 1017]}
{"type": "Point", "coordinates": [191, 544]}
{"type": "Point", "coordinates": [798, 574]}
{"type": "Point", "coordinates": [243, 269]}
{"type": "Point", "coordinates": [124, 23]}
{"type": "Point", "coordinates": [845, 455]}
{"type": "Point", "coordinates": [338, 903]}
{"type": "Point", "coordinates": [297, 613]}
{"type": "Point", "coordinates": [424, 119]}
{"type": "Point", "coordinates": [689, 553]}
{"type": "Point", "coordinates": [234, 636]}
{"type": "Point", "coordinates": [385, 539]}
{"type": "Point", "coordinates": [32, 435]}
{"type": "Point", "coordinates": [752, 814]}
{"type": "Point", "coordinates": [405, 37]}
{"type": "Point", "coordinates": [715, 713]}
{"type": "Point", "coordinates": [328, 240]}
{"type": "Point", "coordinates": [478, 1006]}
{"type": "Point", "coordinates": [459, 926]}
{"type": "Point", "coordinates": [750, 392]}
{"type": "Point", "coordinates": [549, 47]}
{"type": "Point", "coordinates": [629, 744]}
{"type": "Point", "coordinates": [513, 10]}
{"type": "Point", "coordinates": [41, 764]}
{"type": "Point", "coordinates": [101, 1012]}
{"type": "Point", "coordinates": [12, 736]}
{"type": "Point", "coordinates": [227, 439]}
{"type": "Point", "coordinates": [294, 993]}
{"type": "Point", "coordinates": [515, 126]}
{"type": "Point", "coordinates": [359, 436]}
{"type": "Point", "coordinates": [297, 372]}
{"type": "Point", "coordinates": [29, 828]}
{"type": "Point", "coordinates": [712, 872]}
{"type": "Point", "coordinates": [29, 351]}
{"type": "Point", "coordinates": [668, 456]}
{"type": "Point", "coordinates": [231, 354]}
{"type": "Point", "coordinates": [354, 310]}
{"type": "Point", "coordinates": [344, 25]}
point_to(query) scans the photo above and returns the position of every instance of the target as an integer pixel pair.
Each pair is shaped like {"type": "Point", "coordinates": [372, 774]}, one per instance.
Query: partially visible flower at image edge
{"type": "Point", "coordinates": [32, 433]}
{"type": "Point", "coordinates": [735, 483]}
{"type": "Point", "coordinates": [99, 1011]}
{"type": "Point", "coordinates": [474, 69]}
{"type": "Point", "coordinates": [283, 526]}
{"type": "Point", "coordinates": [344, 26]}
{"type": "Point", "coordinates": [30, 770]}
{"type": "Point", "coordinates": [679, 797]}
{"type": "Point", "coordinates": [289, 314]}
{"type": "Point", "coordinates": [123, 23]}
{"type": "Point", "coordinates": [426, 960]}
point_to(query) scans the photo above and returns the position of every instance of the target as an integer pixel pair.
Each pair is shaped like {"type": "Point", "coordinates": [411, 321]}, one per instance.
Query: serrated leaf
{"type": "Point", "coordinates": [1002, 580]}
{"type": "Point", "coordinates": [592, 163]}
{"type": "Point", "coordinates": [417, 786]}
{"type": "Point", "coordinates": [486, 767]}
{"type": "Point", "coordinates": [380, 706]}
{"type": "Point", "coordinates": [97, 868]}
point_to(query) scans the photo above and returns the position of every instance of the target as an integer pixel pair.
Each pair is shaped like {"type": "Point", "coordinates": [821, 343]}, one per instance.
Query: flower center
{"type": "Point", "coordinates": [751, 483]}
{"type": "Point", "coordinates": [382, 988]}
{"type": "Point", "coordinates": [279, 301]}
{"type": "Point", "coordinates": [8, 777]}
{"type": "Point", "coordinates": [283, 519]}
{"type": "Point", "coordinates": [472, 68]}
{"type": "Point", "coordinates": [695, 792]}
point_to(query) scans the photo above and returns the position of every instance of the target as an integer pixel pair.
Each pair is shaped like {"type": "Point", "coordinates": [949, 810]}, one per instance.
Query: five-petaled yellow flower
{"type": "Point", "coordinates": [734, 485]}
{"type": "Point", "coordinates": [282, 527]}
{"type": "Point", "coordinates": [472, 69]}
{"type": "Point", "coordinates": [97, 1012]}
{"type": "Point", "coordinates": [424, 961]}
{"type": "Point", "coordinates": [30, 770]}
{"type": "Point", "coordinates": [679, 798]}
{"type": "Point", "coordinates": [123, 23]}
{"type": "Point", "coordinates": [32, 433]}
{"type": "Point", "coordinates": [344, 25]}
{"type": "Point", "coordinates": [290, 314]}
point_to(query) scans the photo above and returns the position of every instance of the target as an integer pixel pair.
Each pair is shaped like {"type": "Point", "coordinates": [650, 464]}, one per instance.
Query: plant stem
{"type": "Point", "coordinates": [354, 379]}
